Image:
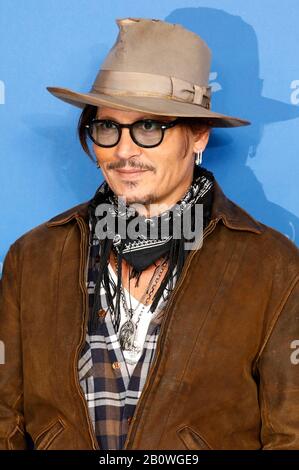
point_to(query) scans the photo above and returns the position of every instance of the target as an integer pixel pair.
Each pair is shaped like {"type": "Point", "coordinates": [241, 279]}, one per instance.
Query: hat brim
{"type": "Point", "coordinates": [153, 105]}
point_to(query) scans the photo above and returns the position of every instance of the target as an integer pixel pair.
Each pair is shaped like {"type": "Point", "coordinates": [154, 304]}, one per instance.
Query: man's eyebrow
{"type": "Point", "coordinates": [158, 118]}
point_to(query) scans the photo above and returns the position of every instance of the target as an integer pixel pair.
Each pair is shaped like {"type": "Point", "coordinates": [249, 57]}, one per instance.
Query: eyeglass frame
{"type": "Point", "coordinates": [164, 126]}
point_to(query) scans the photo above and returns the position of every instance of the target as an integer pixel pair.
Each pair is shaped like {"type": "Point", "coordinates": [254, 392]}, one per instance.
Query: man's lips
{"type": "Point", "coordinates": [131, 172]}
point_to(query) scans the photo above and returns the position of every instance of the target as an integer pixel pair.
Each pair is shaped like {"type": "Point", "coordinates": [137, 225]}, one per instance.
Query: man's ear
{"type": "Point", "coordinates": [201, 140]}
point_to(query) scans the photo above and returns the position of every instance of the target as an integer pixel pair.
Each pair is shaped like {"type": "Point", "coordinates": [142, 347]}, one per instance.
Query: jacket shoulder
{"type": "Point", "coordinates": [280, 252]}
{"type": "Point", "coordinates": [266, 245]}
{"type": "Point", "coordinates": [268, 241]}
{"type": "Point", "coordinates": [42, 232]}
{"type": "Point", "coordinates": [281, 242]}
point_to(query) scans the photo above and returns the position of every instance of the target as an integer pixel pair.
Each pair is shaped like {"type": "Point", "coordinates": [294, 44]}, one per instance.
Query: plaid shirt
{"type": "Point", "coordinates": [111, 393]}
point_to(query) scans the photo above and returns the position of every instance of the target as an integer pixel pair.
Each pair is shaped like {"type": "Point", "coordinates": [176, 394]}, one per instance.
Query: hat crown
{"type": "Point", "coordinates": [157, 47]}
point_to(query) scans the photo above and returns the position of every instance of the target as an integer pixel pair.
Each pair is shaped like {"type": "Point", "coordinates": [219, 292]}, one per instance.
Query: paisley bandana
{"type": "Point", "coordinates": [141, 241]}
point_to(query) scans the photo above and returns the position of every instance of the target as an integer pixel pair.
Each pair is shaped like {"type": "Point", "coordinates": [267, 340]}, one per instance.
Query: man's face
{"type": "Point", "coordinates": [159, 175]}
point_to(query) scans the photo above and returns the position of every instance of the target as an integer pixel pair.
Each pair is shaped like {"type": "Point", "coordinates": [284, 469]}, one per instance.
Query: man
{"type": "Point", "coordinates": [122, 342]}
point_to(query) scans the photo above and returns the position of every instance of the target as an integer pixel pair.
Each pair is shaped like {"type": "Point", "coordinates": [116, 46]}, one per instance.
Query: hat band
{"type": "Point", "coordinates": [111, 82]}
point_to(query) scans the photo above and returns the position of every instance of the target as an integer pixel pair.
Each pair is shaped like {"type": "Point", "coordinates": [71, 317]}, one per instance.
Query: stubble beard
{"type": "Point", "coordinates": [145, 200]}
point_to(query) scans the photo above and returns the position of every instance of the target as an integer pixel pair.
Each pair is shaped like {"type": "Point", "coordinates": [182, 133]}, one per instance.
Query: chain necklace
{"type": "Point", "coordinates": [127, 334]}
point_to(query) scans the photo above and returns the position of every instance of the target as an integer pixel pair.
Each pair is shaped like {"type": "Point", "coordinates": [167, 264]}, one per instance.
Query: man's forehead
{"type": "Point", "coordinates": [124, 115]}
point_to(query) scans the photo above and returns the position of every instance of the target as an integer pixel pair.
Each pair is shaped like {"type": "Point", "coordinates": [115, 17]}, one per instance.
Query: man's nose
{"type": "Point", "coordinates": [126, 147]}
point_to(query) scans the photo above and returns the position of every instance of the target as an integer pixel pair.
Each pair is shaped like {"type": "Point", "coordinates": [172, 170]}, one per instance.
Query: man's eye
{"type": "Point", "coordinates": [108, 125]}
{"type": "Point", "coordinates": [150, 125]}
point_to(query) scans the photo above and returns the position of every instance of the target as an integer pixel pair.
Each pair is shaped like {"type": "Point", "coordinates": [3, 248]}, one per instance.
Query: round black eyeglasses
{"type": "Point", "coordinates": [146, 133]}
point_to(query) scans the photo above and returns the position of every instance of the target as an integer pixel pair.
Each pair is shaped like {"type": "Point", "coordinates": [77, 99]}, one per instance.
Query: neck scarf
{"type": "Point", "coordinates": [142, 241]}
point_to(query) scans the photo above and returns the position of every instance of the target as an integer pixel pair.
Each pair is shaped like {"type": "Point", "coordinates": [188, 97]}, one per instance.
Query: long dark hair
{"type": "Point", "coordinates": [89, 112]}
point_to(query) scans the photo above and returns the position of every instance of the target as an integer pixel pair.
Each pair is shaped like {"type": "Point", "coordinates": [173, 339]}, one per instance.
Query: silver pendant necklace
{"type": "Point", "coordinates": [127, 333]}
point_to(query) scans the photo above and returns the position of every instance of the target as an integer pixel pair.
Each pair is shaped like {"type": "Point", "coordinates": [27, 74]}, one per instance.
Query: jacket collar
{"type": "Point", "coordinates": [232, 215]}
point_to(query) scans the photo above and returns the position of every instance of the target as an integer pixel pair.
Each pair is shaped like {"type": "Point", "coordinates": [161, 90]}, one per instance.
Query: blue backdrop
{"type": "Point", "coordinates": [255, 75]}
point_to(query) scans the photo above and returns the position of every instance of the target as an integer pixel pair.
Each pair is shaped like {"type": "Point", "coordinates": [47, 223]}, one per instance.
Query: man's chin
{"type": "Point", "coordinates": [143, 199]}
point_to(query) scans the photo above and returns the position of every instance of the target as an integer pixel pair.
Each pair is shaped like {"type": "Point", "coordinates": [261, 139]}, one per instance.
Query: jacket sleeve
{"type": "Point", "coordinates": [279, 376]}
{"type": "Point", "coordinates": [12, 433]}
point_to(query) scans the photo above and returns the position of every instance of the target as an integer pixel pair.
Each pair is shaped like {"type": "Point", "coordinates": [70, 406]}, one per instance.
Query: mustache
{"type": "Point", "coordinates": [129, 164]}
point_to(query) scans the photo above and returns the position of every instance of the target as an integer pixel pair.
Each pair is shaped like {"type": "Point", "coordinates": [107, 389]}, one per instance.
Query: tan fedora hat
{"type": "Point", "coordinates": [154, 67]}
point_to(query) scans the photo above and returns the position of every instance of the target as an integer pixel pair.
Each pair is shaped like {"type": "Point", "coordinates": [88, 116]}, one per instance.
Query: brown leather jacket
{"type": "Point", "coordinates": [225, 374]}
